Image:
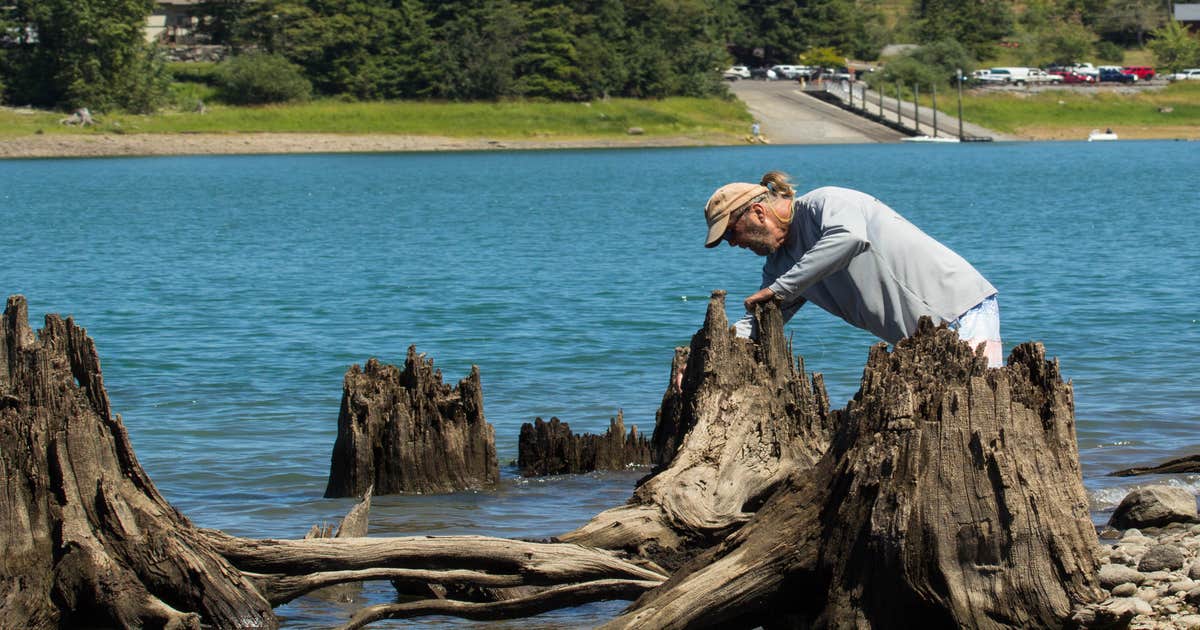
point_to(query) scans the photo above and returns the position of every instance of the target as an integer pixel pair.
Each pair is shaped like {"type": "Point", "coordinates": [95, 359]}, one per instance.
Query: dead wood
{"type": "Point", "coordinates": [744, 420]}
{"type": "Point", "coordinates": [86, 536]}
{"type": "Point", "coordinates": [951, 496]}
{"type": "Point", "coordinates": [88, 540]}
{"type": "Point", "coordinates": [543, 601]}
{"type": "Point", "coordinates": [81, 117]}
{"type": "Point", "coordinates": [1189, 464]}
{"type": "Point", "coordinates": [407, 431]}
{"type": "Point", "coordinates": [549, 448]}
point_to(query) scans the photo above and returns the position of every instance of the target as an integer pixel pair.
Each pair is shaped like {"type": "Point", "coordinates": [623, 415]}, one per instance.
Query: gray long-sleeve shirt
{"type": "Point", "coordinates": [857, 258]}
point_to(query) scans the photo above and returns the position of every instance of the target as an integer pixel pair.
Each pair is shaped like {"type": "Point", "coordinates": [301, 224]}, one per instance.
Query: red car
{"type": "Point", "coordinates": [1143, 73]}
{"type": "Point", "coordinates": [1070, 76]}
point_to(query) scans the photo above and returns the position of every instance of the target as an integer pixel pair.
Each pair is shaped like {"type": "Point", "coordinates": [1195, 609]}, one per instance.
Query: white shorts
{"type": "Point", "coordinates": [981, 324]}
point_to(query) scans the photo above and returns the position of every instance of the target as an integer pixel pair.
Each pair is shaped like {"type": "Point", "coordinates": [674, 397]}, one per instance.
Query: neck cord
{"type": "Point", "coordinates": [791, 214]}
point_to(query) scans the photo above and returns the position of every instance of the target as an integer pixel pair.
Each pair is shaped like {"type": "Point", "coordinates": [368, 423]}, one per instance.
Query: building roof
{"type": "Point", "coordinates": [1187, 12]}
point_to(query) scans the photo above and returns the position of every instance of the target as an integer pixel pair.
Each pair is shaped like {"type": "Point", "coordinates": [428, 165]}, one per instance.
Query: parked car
{"type": "Point", "coordinates": [763, 72]}
{"type": "Point", "coordinates": [1143, 73]}
{"type": "Point", "coordinates": [792, 72]}
{"type": "Point", "coordinates": [735, 73]}
{"type": "Point", "coordinates": [992, 76]}
{"type": "Point", "coordinates": [1070, 76]}
{"type": "Point", "coordinates": [1083, 67]}
{"type": "Point", "coordinates": [1190, 74]}
{"type": "Point", "coordinates": [1115, 74]}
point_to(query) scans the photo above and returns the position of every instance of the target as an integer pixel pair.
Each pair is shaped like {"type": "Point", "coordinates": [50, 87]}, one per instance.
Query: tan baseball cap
{"type": "Point", "coordinates": [723, 203]}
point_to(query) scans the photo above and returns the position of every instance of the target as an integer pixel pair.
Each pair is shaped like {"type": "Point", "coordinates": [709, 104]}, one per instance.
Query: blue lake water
{"type": "Point", "coordinates": [228, 296]}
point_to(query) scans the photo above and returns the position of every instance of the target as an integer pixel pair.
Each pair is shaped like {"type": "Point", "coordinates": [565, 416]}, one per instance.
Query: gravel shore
{"type": "Point", "coordinates": [1154, 574]}
{"type": "Point", "coordinates": [103, 145]}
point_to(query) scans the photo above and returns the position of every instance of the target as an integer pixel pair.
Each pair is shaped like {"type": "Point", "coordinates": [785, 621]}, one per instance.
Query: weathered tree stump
{"type": "Point", "coordinates": [87, 538]}
{"type": "Point", "coordinates": [744, 420]}
{"type": "Point", "coordinates": [89, 542]}
{"type": "Point", "coordinates": [951, 496]}
{"type": "Point", "coordinates": [407, 431]}
{"type": "Point", "coordinates": [549, 448]}
{"type": "Point", "coordinates": [1189, 464]}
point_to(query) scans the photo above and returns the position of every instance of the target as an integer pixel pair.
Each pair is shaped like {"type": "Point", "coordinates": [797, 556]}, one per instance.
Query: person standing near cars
{"type": "Point", "coordinates": [855, 257]}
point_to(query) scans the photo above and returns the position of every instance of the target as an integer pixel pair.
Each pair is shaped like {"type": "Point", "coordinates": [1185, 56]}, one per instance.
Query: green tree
{"type": "Point", "coordinates": [548, 63]}
{"type": "Point", "coordinates": [846, 25]}
{"type": "Point", "coordinates": [603, 48]}
{"type": "Point", "coordinates": [978, 25]}
{"type": "Point", "coordinates": [1131, 20]}
{"type": "Point", "coordinates": [1068, 42]}
{"type": "Point", "coordinates": [1174, 48]}
{"type": "Point", "coordinates": [83, 53]}
{"type": "Point", "coordinates": [476, 48]}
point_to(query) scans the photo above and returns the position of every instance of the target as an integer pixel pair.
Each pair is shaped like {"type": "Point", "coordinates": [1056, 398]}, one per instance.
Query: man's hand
{"type": "Point", "coordinates": [763, 295]}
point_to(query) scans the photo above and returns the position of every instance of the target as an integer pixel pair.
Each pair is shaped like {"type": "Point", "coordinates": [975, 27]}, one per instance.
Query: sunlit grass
{"type": "Point", "coordinates": [1176, 107]}
{"type": "Point", "coordinates": [503, 120]}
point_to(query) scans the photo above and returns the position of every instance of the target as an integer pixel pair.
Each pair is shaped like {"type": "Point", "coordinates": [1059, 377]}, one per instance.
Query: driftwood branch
{"type": "Point", "coordinates": [550, 599]}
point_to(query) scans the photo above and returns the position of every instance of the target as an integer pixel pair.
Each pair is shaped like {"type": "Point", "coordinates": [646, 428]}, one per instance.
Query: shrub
{"type": "Point", "coordinates": [193, 71]}
{"type": "Point", "coordinates": [1110, 52]}
{"type": "Point", "coordinates": [259, 78]}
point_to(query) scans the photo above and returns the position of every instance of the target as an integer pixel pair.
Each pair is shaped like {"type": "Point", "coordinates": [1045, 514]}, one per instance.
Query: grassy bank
{"type": "Point", "coordinates": [1172, 112]}
{"type": "Point", "coordinates": [707, 118]}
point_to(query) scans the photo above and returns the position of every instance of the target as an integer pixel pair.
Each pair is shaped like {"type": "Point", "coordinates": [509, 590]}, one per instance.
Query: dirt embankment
{"type": "Point", "coordinates": [99, 144]}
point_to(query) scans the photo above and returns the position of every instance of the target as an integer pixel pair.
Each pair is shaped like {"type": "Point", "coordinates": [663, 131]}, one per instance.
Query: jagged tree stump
{"type": "Point", "coordinates": [549, 448]}
{"type": "Point", "coordinates": [87, 538]}
{"type": "Point", "coordinates": [951, 496]}
{"type": "Point", "coordinates": [407, 431]}
{"type": "Point", "coordinates": [744, 420]}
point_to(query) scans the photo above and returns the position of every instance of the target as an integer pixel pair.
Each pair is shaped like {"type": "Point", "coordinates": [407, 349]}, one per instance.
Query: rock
{"type": "Point", "coordinates": [1128, 589]}
{"type": "Point", "coordinates": [1181, 586]}
{"type": "Point", "coordinates": [1112, 575]}
{"type": "Point", "coordinates": [1188, 622]}
{"type": "Point", "coordinates": [1194, 571]}
{"type": "Point", "coordinates": [635, 131]}
{"type": "Point", "coordinates": [1147, 594]}
{"type": "Point", "coordinates": [1154, 506]}
{"type": "Point", "coordinates": [1161, 557]}
{"type": "Point", "coordinates": [1193, 596]}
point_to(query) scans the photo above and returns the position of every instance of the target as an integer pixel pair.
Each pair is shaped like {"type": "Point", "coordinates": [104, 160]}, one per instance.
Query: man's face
{"type": "Point", "coordinates": [751, 233]}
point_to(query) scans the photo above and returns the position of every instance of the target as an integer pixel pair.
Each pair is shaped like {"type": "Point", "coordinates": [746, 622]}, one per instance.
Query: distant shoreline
{"type": "Point", "coordinates": [131, 145]}
{"type": "Point", "coordinates": [182, 144]}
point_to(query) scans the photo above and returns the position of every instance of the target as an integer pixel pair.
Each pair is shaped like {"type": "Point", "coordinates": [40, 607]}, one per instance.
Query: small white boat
{"type": "Point", "coordinates": [929, 139]}
{"type": "Point", "coordinates": [1097, 135]}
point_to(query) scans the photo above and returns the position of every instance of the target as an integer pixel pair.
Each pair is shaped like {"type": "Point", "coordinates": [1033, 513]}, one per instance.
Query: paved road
{"type": "Point", "coordinates": [790, 117]}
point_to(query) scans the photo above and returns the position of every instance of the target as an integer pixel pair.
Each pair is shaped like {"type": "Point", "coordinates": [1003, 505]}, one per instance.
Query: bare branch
{"type": "Point", "coordinates": [281, 589]}
{"type": "Point", "coordinates": [550, 599]}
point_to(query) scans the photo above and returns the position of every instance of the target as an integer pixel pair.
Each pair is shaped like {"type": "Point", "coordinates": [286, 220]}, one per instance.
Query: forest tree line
{"type": "Point", "coordinates": [70, 53]}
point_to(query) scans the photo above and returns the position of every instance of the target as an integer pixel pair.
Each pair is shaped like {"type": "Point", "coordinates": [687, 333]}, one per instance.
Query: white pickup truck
{"type": "Point", "coordinates": [1018, 76]}
{"type": "Point", "coordinates": [1189, 74]}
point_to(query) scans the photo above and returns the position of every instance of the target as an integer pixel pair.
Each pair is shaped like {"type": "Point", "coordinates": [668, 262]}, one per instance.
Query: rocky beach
{"type": "Point", "coordinates": [1150, 563]}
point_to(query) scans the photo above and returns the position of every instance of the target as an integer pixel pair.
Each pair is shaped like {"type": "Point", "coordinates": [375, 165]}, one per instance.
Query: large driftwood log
{"type": "Point", "coordinates": [549, 448]}
{"type": "Point", "coordinates": [1189, 464]}
{"type": "Point", "coordinates": [88, 540]}
{"type": "Point", "coordinates": [745, 418]}
{"type": "Point", "coordinates": [951, 496]}
{"type": "Point", "coordinates": [407, 431]}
